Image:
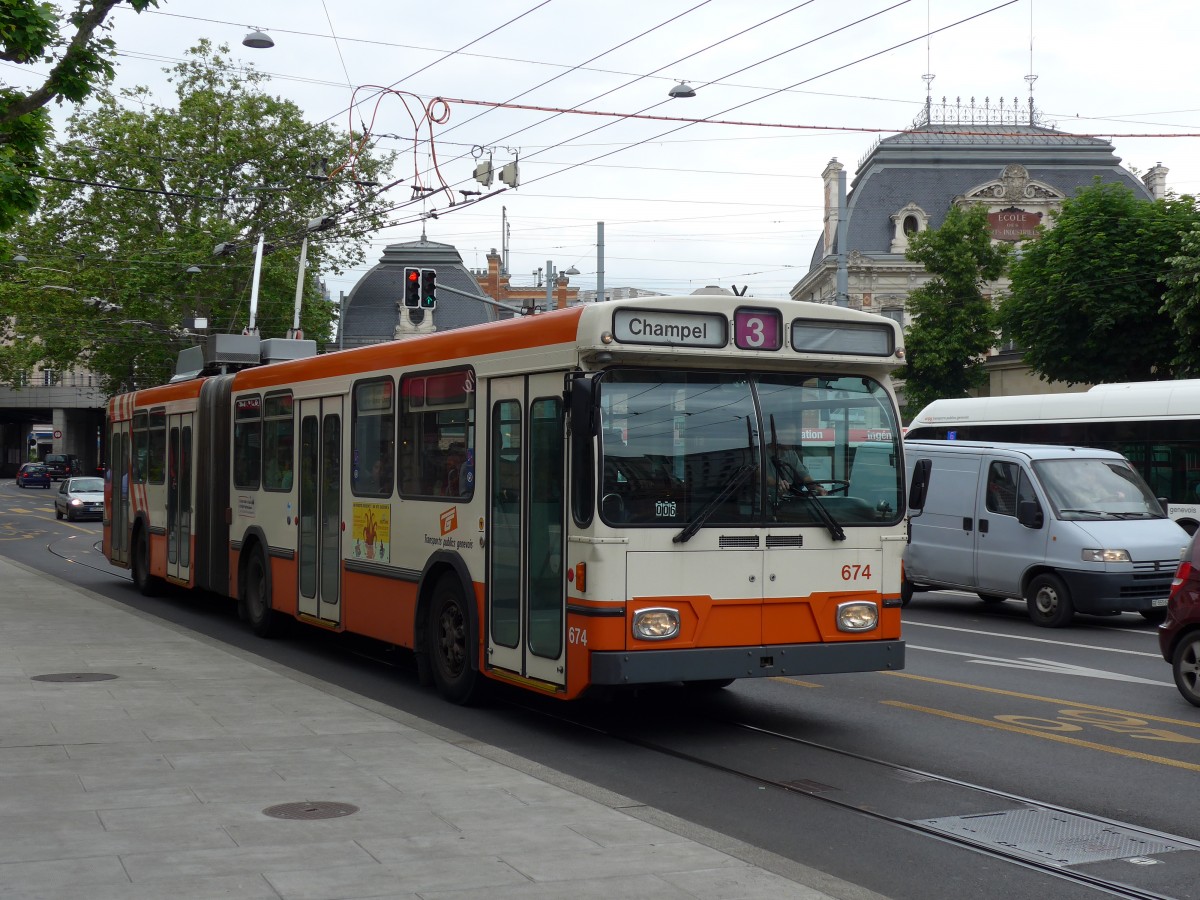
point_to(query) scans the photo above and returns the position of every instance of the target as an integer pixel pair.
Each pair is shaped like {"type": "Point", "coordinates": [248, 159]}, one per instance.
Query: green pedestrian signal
{"type": "Point", "coordinates": [428, 288]}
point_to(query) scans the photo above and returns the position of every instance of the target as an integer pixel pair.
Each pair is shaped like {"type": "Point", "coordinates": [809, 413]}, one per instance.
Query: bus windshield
{"type": "Point", "coordinates": [1097, 489]}
{"type": "Point", "coordinates": [676, 445]}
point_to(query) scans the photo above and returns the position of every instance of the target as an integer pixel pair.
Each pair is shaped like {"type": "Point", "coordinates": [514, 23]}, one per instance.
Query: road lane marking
{"type": "Point", "coordinates": [1040, 699]}
{"type": "Point", "coordinates": [1058, 738]}
{"type": "Point", "coordinates": [786, 680]}
{"type": "Point", "coordinates": [1045, 665]}
{"type": "Point", "coordinates": [1018, 637]}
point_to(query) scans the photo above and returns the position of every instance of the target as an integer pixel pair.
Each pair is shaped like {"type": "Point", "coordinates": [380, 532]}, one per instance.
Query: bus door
{"type": "Point", "coordinates": [118, 476]}
{"type": "Point", "coordinates": [179, 496]}
{"type": "Point", "coordinates": [319, 553]}
{"type": "Point", "coordinates": [526, 518]}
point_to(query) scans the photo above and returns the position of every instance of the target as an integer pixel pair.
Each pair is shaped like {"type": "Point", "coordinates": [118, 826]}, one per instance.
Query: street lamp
{"type": "Point", "coordinates": [257, 39]}
{"type": "Point", "coordinates": [681, 90]}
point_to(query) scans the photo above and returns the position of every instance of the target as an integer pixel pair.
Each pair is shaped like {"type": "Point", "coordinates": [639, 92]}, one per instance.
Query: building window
{"type": "Point", "coordinates": [895, 313]}
{"type": "Point", "coordinates": [911, 225]}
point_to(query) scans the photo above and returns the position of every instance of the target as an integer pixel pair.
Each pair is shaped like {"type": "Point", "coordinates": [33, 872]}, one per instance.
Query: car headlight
{"type": "Point", "coordinates": [656, 624]}
{"type": "Point", "coordinates": [75, 501]}
{"type": "Point", "coordinates": [857, 616]}
{"type": "Point", "coordinates": [1106, 556]}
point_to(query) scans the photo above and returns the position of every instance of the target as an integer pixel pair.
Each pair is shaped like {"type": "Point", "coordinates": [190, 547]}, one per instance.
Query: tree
{"type": "Point", "coordinates": [1181, 302]}
{"type": "Point", "coordinates": [1086, 301]}
{"type": "Point", "coordinates": [953, 327]}
{"type": "Point", "coordinates": [141, 194]}
{"type": "Point", "coordinates": [33, 32]}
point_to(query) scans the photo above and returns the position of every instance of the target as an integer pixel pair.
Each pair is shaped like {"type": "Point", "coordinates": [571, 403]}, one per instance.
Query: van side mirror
{"type": "Point", "coordinates": [1162, 502]}
{"type": "Point", "coordinates": [918, 486]}
{"type": "Point", "coordinates": [1029, 514]}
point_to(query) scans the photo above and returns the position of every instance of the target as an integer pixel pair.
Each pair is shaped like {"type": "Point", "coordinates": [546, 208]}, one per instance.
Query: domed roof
{"type": "Point", "coordinates": [375, 302]}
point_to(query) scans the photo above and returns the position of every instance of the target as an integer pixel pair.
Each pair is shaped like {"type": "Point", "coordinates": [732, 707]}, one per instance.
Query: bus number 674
{"type": "Point", "coordinates": [577, 636]}
{"type": "Point", "coordinates": [856, 572]}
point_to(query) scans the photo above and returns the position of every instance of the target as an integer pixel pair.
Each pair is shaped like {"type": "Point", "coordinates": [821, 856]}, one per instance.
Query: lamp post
{"type": "Point", "coordinates": [552, 278]}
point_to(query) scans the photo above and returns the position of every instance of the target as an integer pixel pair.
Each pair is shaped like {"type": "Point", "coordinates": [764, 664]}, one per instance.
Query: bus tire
{"type": "Point", "coordinates": [147, 584]}
{"type": "Point", "coordinates": [264, 621]}
{"type": "Point", "coordinates": [448, 642]}
{"type": "Point", "coordinates": [1049, 601]}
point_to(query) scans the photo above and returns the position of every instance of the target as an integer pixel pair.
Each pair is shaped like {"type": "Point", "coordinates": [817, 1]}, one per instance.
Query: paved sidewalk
{"type": "Point", "coordinates": [153, 784]}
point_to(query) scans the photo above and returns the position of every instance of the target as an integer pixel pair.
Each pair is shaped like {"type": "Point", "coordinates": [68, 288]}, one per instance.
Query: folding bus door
{"type": "Point", "coordinates": [526, 596]}
{"type": "Point", "coordinates": [118, 499]}
{"type": "Point", "coordinates": [319, 553]}
{"type": "Point", "coordinates": [179, 496]}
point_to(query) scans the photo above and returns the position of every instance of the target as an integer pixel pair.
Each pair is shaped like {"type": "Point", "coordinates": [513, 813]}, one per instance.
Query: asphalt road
{"type": "Point", "coordinates": [1084, 718]}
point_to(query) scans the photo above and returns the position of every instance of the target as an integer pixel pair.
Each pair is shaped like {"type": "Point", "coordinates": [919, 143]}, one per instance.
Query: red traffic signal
{"type": "Point", "coordinates": [412, 288]}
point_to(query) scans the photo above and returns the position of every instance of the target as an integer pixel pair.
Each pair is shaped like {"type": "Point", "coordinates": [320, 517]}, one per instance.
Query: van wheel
{"type": "Point", "coordinates": [992, 598]}
{"type": "Point", "coordinates": [448, 639]}
{"type": "Point", "coordinates": [1154, 615]}
{"type": "Point", "coordinates": [906, 592]}
{"type": "Point", "coordinates": [1049, 601]}
{"type": "Point", "coordinates": [1185, 665]}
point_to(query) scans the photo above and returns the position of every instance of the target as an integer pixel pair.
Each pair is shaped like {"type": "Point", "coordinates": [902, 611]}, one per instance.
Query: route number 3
{"type": "Point", "coordinates": [856, 572]}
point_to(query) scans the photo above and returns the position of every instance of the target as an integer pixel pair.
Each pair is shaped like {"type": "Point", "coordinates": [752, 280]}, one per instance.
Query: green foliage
{"type": "Point", "coordinates": [1181, 302]}
{"type": "Point", "coordinates": [81, 58]}
{"type": "Point", "coordinates": [139, 193]}
{"type": "Point", "coordinates": [953, 327]}
{"type": "Point", "coordinates": [1086, 301]}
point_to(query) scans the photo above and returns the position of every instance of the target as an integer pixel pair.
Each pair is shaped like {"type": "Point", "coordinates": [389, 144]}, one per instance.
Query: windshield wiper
{"type": "Point", "coordinates": [1085, 512]}
{"type": "Point", "coordinates": [827, 519]}
{"type": "Point", "coordinates": [736, 481]}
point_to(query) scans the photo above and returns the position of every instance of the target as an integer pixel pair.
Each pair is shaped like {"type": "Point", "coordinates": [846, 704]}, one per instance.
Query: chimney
{"type": "Point", "coordinates": [1156, 181]}
{"type": "Point", "coordinates": [830, 177]}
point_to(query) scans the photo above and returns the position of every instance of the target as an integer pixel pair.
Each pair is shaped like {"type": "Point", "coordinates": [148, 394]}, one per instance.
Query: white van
{"type": "Point", "coordinates": [1065, 528]}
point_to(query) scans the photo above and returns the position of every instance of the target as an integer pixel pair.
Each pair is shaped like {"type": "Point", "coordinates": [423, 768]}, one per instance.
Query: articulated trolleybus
{"type": "Point", "coordinates": [593, 496]}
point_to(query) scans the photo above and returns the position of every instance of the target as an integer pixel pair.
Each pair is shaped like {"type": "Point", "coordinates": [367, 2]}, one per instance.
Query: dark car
{"type": "Point", "coordinates": [62, 465]}
{"type": "Point", "coordinates": [33, 475]}
{"type": "Point", "coordinates": [1179, 634]}
{"type": "Point", "coordinates": [80, 498]}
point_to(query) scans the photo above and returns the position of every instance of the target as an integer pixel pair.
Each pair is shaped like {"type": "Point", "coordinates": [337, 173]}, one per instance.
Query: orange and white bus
{"type": "Point", "coordinates": [560, 501]}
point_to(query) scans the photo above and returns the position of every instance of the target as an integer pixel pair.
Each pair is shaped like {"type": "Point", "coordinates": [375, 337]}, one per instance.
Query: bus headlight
{"type": "Point", "coordinates": [1105, 556]}
{"type": "Point", "coordinates": [655, 624]}
{"type": "Point", "coordinates": [857, 616]}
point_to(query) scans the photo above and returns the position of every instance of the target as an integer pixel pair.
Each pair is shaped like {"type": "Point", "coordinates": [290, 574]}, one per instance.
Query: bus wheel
{"type": "Point", "coordinates": [1049, 601]}
{"type": "Point", "coordinates": [147, 584]}
{"type": "Point", "coordinates": [449, 644]}
{"type": "Point", "coordinates": [264, 621]}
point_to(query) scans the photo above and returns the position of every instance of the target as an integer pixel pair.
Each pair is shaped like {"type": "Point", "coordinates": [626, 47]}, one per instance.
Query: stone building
{"type": "Point", "coordinates": [953, 155]}
{"type": "Point", "coordinates": [495, 282]}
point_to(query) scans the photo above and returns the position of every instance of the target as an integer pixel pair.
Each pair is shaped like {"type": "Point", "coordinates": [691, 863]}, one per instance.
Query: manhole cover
{"type": "Point", "coordinates": [1056, 837]}
{"type": "Point", "coordinates": [321, 809]}
{"type": "Point", "coordinates": [75, 676]}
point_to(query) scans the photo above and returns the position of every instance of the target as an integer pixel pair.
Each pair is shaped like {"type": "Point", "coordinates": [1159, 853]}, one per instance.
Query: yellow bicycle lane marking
{"type": "Point", "coordinates": [1009, 723]}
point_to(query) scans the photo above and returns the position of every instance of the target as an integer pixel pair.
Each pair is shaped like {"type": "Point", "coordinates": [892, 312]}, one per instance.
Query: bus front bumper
{"type": "Point", "coordinates": [655, 666]}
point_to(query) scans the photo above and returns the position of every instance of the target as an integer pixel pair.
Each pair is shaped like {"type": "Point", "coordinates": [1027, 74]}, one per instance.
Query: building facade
{"type": "Point", "coordinates": [954, 155]}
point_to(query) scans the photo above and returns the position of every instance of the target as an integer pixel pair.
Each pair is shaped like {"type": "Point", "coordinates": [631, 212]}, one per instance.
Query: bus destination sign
{"type": "Point", "coordinates": [671, 329]}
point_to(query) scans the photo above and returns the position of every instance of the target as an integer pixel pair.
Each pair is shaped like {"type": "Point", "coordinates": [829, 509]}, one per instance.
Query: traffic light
{"type": "Point", "coordinates": [428, 288]}
{"type": "Point", "coordinates": [412, 288]}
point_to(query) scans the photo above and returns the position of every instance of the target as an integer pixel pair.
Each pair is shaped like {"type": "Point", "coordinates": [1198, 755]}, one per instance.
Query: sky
{"type": "Point", "coordinates": [684, 205]}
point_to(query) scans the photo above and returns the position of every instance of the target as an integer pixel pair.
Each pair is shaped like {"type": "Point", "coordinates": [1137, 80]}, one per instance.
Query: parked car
{"type": "Point", "coordinates": [62, 465]}
{"type": "Point", "coordinates": [1179, 634]}
{"type": "Point", "coordinates": [80, 498]}
{"type": "Point", "coordinates": [33, 475]}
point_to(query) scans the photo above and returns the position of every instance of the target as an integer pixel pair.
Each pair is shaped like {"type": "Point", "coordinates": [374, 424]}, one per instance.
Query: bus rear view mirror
{"type": "Point", "coordinates": [583, 431]}
{"type": "Point", "coordinates": [918, 486]}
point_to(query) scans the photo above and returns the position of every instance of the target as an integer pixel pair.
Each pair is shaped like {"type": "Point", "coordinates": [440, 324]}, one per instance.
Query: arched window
{"type": "Point", "coordinates": [911, 225]}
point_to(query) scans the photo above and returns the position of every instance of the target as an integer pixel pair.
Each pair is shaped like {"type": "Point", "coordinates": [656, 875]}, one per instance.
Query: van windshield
{"type": "Point", "coordinates": [1097, 488]}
